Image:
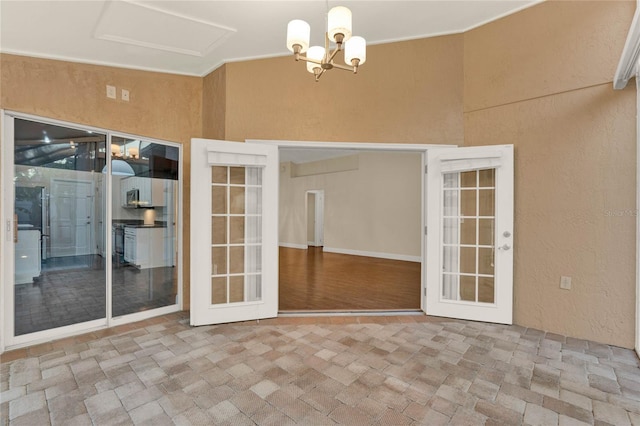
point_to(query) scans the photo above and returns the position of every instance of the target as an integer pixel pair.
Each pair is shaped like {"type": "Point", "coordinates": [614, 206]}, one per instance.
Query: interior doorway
{"type": "Point", "coordinates": [363, 250]}
{"type": "Point", "coordinates": [315, 218]}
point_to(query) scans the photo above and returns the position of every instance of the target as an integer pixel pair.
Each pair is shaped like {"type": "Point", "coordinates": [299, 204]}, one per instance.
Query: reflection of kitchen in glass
{"type": "Point", "coordinates": [31, 210]}
{"type": "Point", "coordinates": [144, 212]}
{"type": "Point", "coordinates": [60, 180]}
{"type": "Point", "coordinates": [59, 277]}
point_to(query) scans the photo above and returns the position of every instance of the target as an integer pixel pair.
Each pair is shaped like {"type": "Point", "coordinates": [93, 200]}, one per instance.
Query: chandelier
{"type": "Point", "coordinates": [320, 59]}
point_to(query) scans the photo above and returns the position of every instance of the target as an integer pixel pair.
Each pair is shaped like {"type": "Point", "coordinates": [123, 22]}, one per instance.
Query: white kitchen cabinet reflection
{"type": "Point", "coordinates": [147, 247]}
{"type": "Point", "coordinates": [27, 253]}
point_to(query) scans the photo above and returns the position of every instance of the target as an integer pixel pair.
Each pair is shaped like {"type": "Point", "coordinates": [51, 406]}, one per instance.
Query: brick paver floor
{"type": "Point", "coordinates": [404, 370]}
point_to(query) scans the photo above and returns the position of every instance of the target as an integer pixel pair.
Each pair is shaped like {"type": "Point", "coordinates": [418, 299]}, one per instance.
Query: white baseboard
{"type": "Point", "coordinates": [379, 255]}
{"type": "Point", "coordinates": [292, 245]}
{"type": "Point", "coordinates": [392, 256]}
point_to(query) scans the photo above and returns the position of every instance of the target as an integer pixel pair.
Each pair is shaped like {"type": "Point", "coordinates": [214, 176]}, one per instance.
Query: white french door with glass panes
{"type": "Point", "coordinates": [234, 225]}
{"type": "Point", "coordinates": [469, 271]}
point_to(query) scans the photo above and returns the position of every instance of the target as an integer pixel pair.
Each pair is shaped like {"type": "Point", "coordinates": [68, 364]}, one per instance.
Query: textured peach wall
{"type": "Point", "coordinates": [213, 104]}
{"type": "Point", "coordinates": [407, 92]}
{"type": "Point", "coordinates": [541, 80]}
{"type": "Point", "coordinates": [162, 106]}
{"type": "Point", "coordinates": [549, 48]}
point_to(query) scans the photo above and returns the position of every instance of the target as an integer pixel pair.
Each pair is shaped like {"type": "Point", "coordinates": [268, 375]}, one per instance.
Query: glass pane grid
{"type": "Point", "coordinates": [467, 236]}
{"type": "Point", "coordinates": [465, 274]}
{"type": "Point", "coordinates": [240, 193]}
{"type": "Point", "coordinates": [467, 217]}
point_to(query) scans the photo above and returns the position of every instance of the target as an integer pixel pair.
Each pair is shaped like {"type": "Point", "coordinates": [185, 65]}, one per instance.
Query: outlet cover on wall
{"type": "Point", "coordinates": [565, 283]}
{"type": "Point", "coordinates": [111, 91]}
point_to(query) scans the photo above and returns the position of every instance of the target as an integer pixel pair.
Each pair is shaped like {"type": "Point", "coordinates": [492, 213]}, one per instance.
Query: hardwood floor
{"type": "Point", "coordinates": [315, 280]}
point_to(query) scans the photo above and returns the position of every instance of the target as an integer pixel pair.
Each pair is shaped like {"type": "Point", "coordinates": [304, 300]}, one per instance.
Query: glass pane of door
{"type": "Point", "coordinates": [144, 177]}
{"type": "Point", "coordinates": [468, 228]}
{"type": "Point", "coordinates": [59, 206]}
{"type": "Point", "coordinates": [236, 240]}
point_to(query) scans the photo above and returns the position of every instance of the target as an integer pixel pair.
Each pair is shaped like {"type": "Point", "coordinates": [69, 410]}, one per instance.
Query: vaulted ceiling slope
{"type": "Point", "coordinates": [196, 37]}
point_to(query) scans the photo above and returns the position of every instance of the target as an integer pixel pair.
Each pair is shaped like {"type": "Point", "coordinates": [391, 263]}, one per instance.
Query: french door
{"type": "Point", "coordinates": [234, 231]}
{"type": "Point", "coordinates": [469, 271]}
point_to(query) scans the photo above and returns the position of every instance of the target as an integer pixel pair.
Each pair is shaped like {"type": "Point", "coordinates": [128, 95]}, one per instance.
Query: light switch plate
{"type": "Point", "coordinates": [565, 283]}
{"type": "Point", "coordinates": [111, 91]}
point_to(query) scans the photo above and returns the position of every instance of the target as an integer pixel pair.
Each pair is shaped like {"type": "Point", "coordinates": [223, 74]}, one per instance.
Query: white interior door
{"type": "Point", "coordinates": [469, 211]}
{"type": "Point", "coordinates": [71, 220]}
{"type": "Point", "coordinates": [315, 218]}
{"type": "Point", "coordinates": [234, 231]}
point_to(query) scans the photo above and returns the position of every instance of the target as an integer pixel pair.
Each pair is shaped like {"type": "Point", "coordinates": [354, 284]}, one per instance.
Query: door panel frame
{"type": "Point", "coordinates": [441, 162]}
{"type": "Point", "coordinates": [206, 153]}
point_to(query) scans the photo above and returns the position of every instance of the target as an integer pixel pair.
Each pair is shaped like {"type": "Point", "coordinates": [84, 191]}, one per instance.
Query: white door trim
{"type": "Point", "coordinates": [382, 147]}
{"type": "Point", "coordinates": [637, 322]}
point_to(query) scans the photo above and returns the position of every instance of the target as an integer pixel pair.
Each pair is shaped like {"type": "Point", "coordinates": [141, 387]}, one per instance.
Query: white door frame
{"type": "Point", "coordinates": [382, 147]}
{"type": "Point", "coordinates": [637, 322]}
{"type": "Point", "coordinates": [318, 216]}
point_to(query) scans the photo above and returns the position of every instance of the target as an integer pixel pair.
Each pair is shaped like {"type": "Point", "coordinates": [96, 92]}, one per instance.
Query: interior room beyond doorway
{"type": "Point", "coordinates": [370, 252]}
{"type": "Point", "coordinates": [312, 280]}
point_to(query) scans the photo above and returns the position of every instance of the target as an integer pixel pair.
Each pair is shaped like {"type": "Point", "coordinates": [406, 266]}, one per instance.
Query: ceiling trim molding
{"type": "Point", "coordinates": [98, 63]}
{"type": "Point", "coordinates": [504, 15]}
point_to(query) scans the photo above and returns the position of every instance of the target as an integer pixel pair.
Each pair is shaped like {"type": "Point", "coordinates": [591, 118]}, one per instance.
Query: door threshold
{"type": "Point", "coordinates": [349, 312]}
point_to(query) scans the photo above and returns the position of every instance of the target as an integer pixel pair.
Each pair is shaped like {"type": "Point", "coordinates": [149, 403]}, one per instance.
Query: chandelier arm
{"type": "Point", "coordinates": [304, 58]}
{"type": "Point", "coordinates": [333, 54]}
{"type": "Point", "coordinates": [343, 67]}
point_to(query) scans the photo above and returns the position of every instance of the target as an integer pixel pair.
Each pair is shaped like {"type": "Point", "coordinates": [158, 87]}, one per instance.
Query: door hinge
{"type": "Point", "coordinates": [425, 291]}
{"type": "Point", "coordinates": [425, 230]}
{"type": "Point", "coordinates": [426, 168]}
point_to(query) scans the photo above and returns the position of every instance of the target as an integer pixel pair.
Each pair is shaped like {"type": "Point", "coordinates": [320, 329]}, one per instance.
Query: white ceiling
{"type": "Point", "coordinates": [196, 37]}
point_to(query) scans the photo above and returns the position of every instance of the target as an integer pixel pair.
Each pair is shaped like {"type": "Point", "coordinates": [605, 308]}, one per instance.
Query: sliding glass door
{"type": "Point", "coordinates": [59, 271]}
{"type": "Point", "coordinates": [91, 228]}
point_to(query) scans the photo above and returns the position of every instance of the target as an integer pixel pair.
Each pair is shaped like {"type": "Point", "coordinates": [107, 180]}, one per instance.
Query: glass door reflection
{"type": "Point", "coordinates": [144, 218]}
{"type": "Point", "coordinates": [59, 265]}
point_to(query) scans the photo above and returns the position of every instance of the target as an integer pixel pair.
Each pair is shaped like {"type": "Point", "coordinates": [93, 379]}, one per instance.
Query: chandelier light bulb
{"type": "Point", "coordinates": [315, 53]}
{"type": "Point", "coordinates": [298, 33]}
{"type": "Point", "coordinates": [339, 24]}
{"type": "Point", "coordinates": [355, 49]}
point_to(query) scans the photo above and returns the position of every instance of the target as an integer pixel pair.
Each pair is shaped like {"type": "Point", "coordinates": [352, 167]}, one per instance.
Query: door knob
{"type": "Point", "coordinates": [506, 234]}
{"type": "Point", "coordinates": [504, 247]}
